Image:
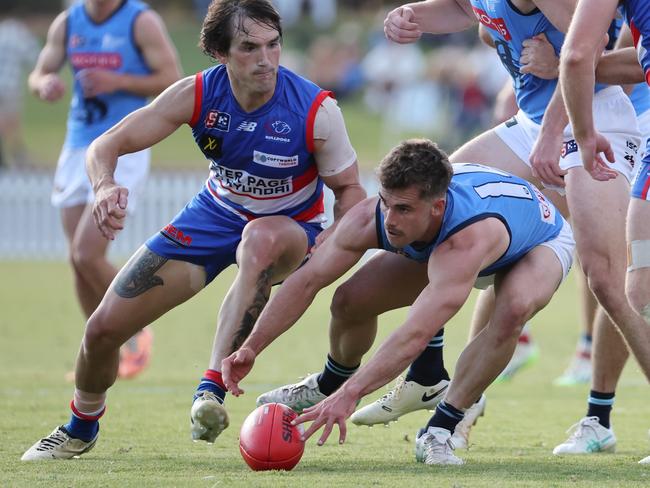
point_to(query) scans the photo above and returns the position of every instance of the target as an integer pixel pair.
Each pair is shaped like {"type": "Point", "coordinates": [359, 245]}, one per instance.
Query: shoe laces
{"type": "Point", "coordinates": [298, 392]}
{"type": "Point", "coordinates": [578, 429]}
{"type": "Point", "coordinates": [207, 395]}
{"type": "Point", "coordinates": [396, 392]}
{"type": "Point", "coordinates": [54, 440]}
{"type": "Point", "coordinates": [433, 445]}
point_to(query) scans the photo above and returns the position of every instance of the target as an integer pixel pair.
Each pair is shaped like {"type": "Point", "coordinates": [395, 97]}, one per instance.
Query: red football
{"type": "Point", "coordinates": [267, 439]}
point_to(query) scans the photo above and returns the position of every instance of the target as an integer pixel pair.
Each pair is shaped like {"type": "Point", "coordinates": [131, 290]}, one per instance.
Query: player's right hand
{"type": "Point", "coordinates": [51, 88]}
{"type": "Point", "coordinates": [400, 27]}
{"type": "Point", "coordinates": [235, 367]}
{"type": "Point", "coordinates": [109, 209]}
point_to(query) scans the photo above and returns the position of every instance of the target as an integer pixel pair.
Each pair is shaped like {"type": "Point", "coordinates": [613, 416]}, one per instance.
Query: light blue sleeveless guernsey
{"type": "Point", "coordinates": [108, 45]}
{"type": "Point", "coordinates": [478, 192]}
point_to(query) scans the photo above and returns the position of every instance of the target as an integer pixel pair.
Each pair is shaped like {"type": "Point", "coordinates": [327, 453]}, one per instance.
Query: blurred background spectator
{"type": "Point", "coordinates": [18, 52]}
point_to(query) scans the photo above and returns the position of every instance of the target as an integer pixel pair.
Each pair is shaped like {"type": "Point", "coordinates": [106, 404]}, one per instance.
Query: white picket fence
{"type": "Point", "coordinates": [31, 227]}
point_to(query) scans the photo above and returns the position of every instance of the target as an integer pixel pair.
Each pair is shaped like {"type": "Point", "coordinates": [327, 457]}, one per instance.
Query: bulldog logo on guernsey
{"type": "Point", "coordinates": [276, 130]}
{"type": "Point", "coordinates": [241, 182]}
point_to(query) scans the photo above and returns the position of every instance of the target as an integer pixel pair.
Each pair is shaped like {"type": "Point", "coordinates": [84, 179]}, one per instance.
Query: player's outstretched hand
{"type": "Point", "coordinates": [51, 88]}
{"type": "Point", "coordinates": [333, 410]}
{"type": "Point", "coordinates": [591, 151]}
{"type": "Point", "coordinates": [400, 26]}
{"type": "Point", "coordinates": [235, 367]}
{"type": "Point", "coordinates": [96, 81]}
{"type": "Point", "coordinates": [109, 209]}
{"type": "Point", "coordinates": [545, 160]}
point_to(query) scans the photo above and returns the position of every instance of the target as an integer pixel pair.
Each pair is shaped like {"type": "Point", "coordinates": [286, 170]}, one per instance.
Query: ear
{"type": "Point", "coordinates": [222, 58]}
{"type": "Point", "coordinates": [438, 207]}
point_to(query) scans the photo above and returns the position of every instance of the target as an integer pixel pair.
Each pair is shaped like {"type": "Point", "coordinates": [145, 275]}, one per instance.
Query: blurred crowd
{"type": "Point", "coordinates": [442, 87]}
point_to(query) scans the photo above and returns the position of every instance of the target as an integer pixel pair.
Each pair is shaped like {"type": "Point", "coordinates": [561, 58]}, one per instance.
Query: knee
{"type": "Point", "coordinates": [99, 335]}
{"type": "Point", "coordinates": [511, 321]}
{"type": "Point", "coordinates": [85, 261]}
{"type": "Point", "coordinates": [259, 245]}
{"type": "Point", "coordinates": [344, 305]}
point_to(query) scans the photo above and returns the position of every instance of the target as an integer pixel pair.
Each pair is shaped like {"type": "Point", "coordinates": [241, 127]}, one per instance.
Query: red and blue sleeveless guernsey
{"type": "Point", "coordinates": [108, 45]}
{"type": "Point", "coordinates": [638, 13]}
{"type": "Point", "coordinates": [261, 162]}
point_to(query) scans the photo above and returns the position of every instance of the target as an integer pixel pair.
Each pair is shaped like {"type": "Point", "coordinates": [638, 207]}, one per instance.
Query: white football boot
{"type": "Point", "coordinates": [645, 460]}
{"type": "Point", "coordinates": [460, 438]}
{"type": "Point", "coordinates": [208, 417]}
{"type": "Point", "coordinates": [58, 445]}
{"type": "Point", "coordinates": [297, 396]}
{"type": "Point", "coordinates": [407, 396]}
{"type": "Point", "coordinates": [577, 373]}
{"type": "Point", "coordinates": [434, 447]}
{"type": "Point", "coordinates": [587, 437]}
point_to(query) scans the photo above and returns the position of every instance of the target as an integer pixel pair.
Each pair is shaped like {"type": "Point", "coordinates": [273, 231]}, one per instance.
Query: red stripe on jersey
{"type": "Point", "coordinates": [316, 209]}
{"type": "Point", "coordinates": [247, 215]}
{"type": "Point", "coordinates": [646, 187]}
{"type": "Point", "coordinates": [198, 99]}
{"type": "Point", "coordinates": [311, 118]}
{"type": "Point", "coordinates": [635, 33]}
{"type": "Point", "coordinates": [306, 178]}
{"type": "Point", "coordinates": [647, 77]}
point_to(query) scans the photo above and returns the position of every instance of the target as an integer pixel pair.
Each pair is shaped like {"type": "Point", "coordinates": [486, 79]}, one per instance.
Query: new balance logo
{"type": "Point", "coordinates": [428, 398]}
{"type": "Point", "coordinates": [247, 126]}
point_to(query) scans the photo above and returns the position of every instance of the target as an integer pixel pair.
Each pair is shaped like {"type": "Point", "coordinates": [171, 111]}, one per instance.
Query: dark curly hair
{"type": "Point", "coordinates": [416, 162]}
{"type": "Point", "coordinates": [226, 17]}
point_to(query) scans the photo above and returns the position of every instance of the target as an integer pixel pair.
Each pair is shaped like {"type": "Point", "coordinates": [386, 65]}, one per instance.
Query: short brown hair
{"type": "Point", "coordinates": [416, 162]}
{"type": "Point", "coordinates": [226, 17]}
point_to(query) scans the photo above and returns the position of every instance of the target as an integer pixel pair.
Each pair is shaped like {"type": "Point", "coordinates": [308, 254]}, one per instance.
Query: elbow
{"type": "Point", "coordinates": [573, 59]}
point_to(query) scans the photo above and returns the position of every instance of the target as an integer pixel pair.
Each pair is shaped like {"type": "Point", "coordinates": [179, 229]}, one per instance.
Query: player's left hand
{"type": "Point", "coordinates": [538, 58]}
{"type": "Point", "coordinates": [335, 409]}
{"type": "Point", "coordinates": [95, 81]}
{"type": "Point", "coordinates": [235, 367]}
{"type": "Point", "coordinates": [591, 151]}
{"type": "Point", "coordinates": [545, 159]}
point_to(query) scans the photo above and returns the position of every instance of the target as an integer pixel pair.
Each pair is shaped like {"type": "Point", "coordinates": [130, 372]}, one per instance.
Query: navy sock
{"type": "Point", "coordinates": [86, 430]}
{"type": "Point", "coordinates": [212, 381]}
{"type": "Point", "coordinates": [428, 369]}
{"type": "Point", "coordinates": [446, 416]}
{"type": "Point", "coordinates": [600, 405]}
{"type": "Point", "coordinates": [333, 376]}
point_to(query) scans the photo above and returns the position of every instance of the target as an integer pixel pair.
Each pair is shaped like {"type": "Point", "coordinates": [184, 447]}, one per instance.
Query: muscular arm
{"type": "Point", "coordinates": [354, 235]}
{"type": "Point", "coordinates": [622, 64]}
{"type": "Point", "coordinates": [452, 269]}
{"type": "Point", "coordinates": [406, 24]}
{"type": "Point", "coordinates": [336, 159]}
{"type": "Point", "coordinates": [159, 53]}
{"type": "Point", "coordinates": [139, 130]}
{"type": "Point", "coordinates": [577, 61]}
{"type": "Point", "coordinates": [44, 81]}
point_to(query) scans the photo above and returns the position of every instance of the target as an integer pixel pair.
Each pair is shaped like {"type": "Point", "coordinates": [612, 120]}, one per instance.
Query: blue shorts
{"type": "Point", "coordinates": [641, 181]}
{"type": "Point", "coordinates": [206, 234]}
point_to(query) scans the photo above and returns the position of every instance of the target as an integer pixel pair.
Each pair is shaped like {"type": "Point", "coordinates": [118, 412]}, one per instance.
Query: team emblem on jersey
{"type": "Point", "coordinates": [274, 160]}
{"type": "Point", "coordinates": [568, 147]}
{"type": "Point", "coordinates": [211, 146]}
{"type": "Point", "coordinates": [218, 120]}
{"type": "Point", "coordinates": [177, 236]}
{"type": "Point", "coordinates": [277, 130]}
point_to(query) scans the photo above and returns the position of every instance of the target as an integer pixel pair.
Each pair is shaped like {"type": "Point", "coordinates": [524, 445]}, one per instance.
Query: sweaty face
{"type": "Point", "coordinates": [253, 58]}
{"type": "Point", "coordinates": [408, 217]}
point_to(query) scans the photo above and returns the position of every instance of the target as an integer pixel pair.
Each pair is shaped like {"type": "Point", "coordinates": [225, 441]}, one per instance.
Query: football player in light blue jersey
{"type": "Point", "coordinates": [547, 153]}
{"type": "Point", "coordinates": [273, 139]}
{"type": "Point", "coordinates": [120, 54]}
{"type": "Point", "coordinates": [577, 77]}
{"type": "Point", "coordinates": [443, 230]}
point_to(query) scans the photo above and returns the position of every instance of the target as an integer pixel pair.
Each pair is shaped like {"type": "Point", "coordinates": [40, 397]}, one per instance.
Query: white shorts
{"type": "Point", "coordinates": [563, 245]}
{"type": "Point", "coordinates": [72, 186]}
{"type": "Point", "coordinates": [614, 117]}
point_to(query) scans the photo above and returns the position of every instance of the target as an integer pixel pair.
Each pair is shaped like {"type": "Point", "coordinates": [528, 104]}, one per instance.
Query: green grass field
{"type": "Point", "coordinates": [145, 433]}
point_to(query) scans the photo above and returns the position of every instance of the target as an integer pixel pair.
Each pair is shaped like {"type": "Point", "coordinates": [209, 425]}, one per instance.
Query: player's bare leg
{"type": "Point", "coordinates": [599, 226]}
{"type": "Point", "coordinates": [147, 287]}
{"type": "Point", "coordinates": [638, 276]}
{"type": "Point", "coordinates": [270, 250]}
{"type": "Point", "coordinates": [540, 273]}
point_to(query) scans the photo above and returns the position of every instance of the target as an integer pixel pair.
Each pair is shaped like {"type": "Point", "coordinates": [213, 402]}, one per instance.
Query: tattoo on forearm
{"type": "Point", "coordinates": [262, 293]}
{"type": "Point", "coordinates": [139, 275]}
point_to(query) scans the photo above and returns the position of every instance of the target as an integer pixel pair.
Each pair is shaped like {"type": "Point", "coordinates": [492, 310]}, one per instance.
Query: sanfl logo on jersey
{"type": "Point", "coordinates": [218, 120]}
{"type": "Point", "coordinates": [247, 126]}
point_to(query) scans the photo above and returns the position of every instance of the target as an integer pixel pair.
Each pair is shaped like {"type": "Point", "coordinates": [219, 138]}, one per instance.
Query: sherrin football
{"type": "Point", "coordinates": [267, 439]}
